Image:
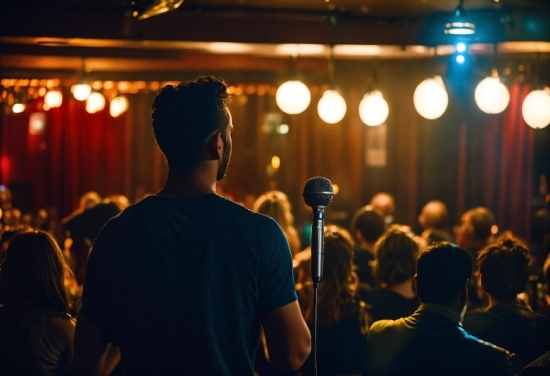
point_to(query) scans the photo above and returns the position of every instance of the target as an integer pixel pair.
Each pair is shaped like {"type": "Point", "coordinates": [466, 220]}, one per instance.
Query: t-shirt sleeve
{"type": "Point", "coordinates": [277, 287]}
{"type": "Point", "coordinates": [97, 301]}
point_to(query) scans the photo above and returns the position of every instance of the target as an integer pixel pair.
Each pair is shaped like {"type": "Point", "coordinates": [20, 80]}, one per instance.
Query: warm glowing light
{"type": "Point", "coordinates": [17, 108]}
{"type": "Point", "coordinates": [299, 49]}
{"type": "Point", "coordinates": [283, 129]}
{"type": "Point", "coordinates": [336, 188]}
{"type": "Point", "coordinates": [293, 97]}
{"type": "Point", "coordinates": [536, 108]}
{"type": "Point", "coordinates": [53, 98]}
{"type": "Point", "coordinates": [118, 106]}
{"type": "Point", "coordinates": [431, 98]}
{"type": "Point", "coordinates": [492, 96]}
{"type": "Point", "coordinates": [357, 50]}
{"type": "Point", "coordinates": [95, 102]}
{"type": "Point", "coordinates": [224, 47]}
{"type": "Point", "coordinates": [275, 162]}
{"type": "Point", "coordinates": [81, 91]}
{"type": "Point", "coordinates": [331, 107]}
{"type": "Point", "coordinates": [37, 123]}
{"type": "Point", "coordinates": [373, 109]}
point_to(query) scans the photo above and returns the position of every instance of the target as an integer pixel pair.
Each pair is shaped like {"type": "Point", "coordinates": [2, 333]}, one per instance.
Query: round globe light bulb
{"type": "Point", "coordinates": [373, 109]}
{"type": "Point", "coordinates": [81, 91]}
{"type": "Point", "coordinates": [430, 98]}
{"type": "Point", "coordinates": [293, 97]}
{"type": "Point", "coordinates": [332, 107]}
{"type": "Point", "coordinates": [118, 106]}
{"type": "Point", "coordinates": [53, 98]}
{"type": "Point", "coordinates": [536, 108]}
{"type": "Point", "coordinates": [95, 102]}
{"type": "Point", "coordinates": [17, 108]}
{"type": "Point", "coordinates": [492, 96]}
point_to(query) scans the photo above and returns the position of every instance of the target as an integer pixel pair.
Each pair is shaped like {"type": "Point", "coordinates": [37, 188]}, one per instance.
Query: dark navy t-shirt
{"type": "Point", "coordinates": [181, 284]}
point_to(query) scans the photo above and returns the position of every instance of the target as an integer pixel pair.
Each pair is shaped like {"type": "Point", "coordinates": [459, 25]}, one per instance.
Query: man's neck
{"type": "Point", "coordinates": [194, 183]}
{"type": "Point", "coordinates": [404, 289]}
{"type": "Point", "coordinates": [493, 301]}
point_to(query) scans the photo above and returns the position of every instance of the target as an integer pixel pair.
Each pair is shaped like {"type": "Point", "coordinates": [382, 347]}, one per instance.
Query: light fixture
{"type": "Point", "coordinates": [293, 96]}
{"type": "Point", "coordinates": [373, 109]}
{"type": "Point", "coordinates": [332, 107]}
{"type": "Point", "coordinates": [431, 98]}
{"type": "Point", "coordinates": [17, 108]}
{"type": "Point", "coordinates": [491, 95]}
{"type": "Point", "coordinates": [459, 25]}
{"type": "Point", "coordinates": [536, 108]}
{"type": "Point", "coordinates": [461, 47]}
{"type": "Point", "coordinates": [82, 90]}
{"type": "Point", "coordinates": [148, 8]}
{"type": "Point", "coordinates": [118, 105]}
{"type": "Point", "coordinates": [95, 102]}
{"type": "Point", "coordinates": [53, 98]}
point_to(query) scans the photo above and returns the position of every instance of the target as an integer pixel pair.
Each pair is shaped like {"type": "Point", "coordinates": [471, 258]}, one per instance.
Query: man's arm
{"type": "Point", "coordinates": [90, 349]}
{"type": "Point", "coordinates": [287, 336]}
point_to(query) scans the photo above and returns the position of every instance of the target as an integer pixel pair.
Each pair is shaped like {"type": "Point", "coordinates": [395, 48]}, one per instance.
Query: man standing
{"type": "Point", "coordinates": [432, 340]}
{"type": "Point", "coordinates": [183, 280]}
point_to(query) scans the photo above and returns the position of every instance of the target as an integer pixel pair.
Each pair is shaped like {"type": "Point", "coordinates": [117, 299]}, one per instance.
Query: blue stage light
{"type": "Point", "coordinates": [460, 59]}
{"type": "Point", "coordinates": [460, 47]}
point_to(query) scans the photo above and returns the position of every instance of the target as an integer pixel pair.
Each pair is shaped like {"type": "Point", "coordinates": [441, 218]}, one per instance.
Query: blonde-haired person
{"type": "Point", "coordinates": [275, 204]}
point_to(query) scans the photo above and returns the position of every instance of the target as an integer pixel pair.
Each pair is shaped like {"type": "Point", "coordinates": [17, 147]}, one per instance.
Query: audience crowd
{"type": "Point", "coordinates": [467, 301]}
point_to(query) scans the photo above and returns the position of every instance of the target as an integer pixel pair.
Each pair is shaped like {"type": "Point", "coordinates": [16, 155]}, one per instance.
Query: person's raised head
{"type": "Point", "coordinates": [369, 224]}
{"type": "Point", "coordinates": [476, 226]}
{"type": "Point", "coordinates": [442, 274]}
{"type": "Point", "coordinates": [185, 116]}
{"type": "Point", "coordinates": [34, 271]}
{"type": "Point", "coordinates": [396, 256]}
{"type": "Point", "coordinates": [385, 204]}
{"type": "Point", "coordinates": [504, 269]}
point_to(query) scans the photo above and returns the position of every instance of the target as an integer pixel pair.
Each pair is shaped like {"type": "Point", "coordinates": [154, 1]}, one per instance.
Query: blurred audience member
{"type": "Point", "coordinates": [507, 322]}
{"type": "Point", "coordinates": [9, 216]}
{"type": "Point", "coordinates": [83, 227]}
{"type": "Point", "coordinates": [385, 204]}
{"type": "Point", "coordinates": [432, 340]}
{"type": "Point", "coordinates": [275, 204]}
{"type": "Point", "coordinates": [342, 319]}
{"type": "Point", "coordinates": [396, 255]}
{"type": "Point", "coordinates": [476, 230]}
{"type": "Point", "coordinates": [36, 332]}
{"type": "Point", "coordinates": [434, 220]}
{"type": "Point", "coordinates": [368, 226]}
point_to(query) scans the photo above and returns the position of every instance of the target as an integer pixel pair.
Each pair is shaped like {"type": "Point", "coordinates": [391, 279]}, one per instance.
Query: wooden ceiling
{"type": "Point", "coordinates": [44, 38]}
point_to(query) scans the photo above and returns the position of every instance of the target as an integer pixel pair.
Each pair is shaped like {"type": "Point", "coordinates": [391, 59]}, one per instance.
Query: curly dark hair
{"type": "Point", "coordinates": [185, 115]}
{"type": "Point", "coordinates": [504, 268]}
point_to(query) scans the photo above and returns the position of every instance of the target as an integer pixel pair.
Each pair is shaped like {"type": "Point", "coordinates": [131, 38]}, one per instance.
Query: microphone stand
{"type": "Point", "coordinates": [317, 253]}
{"type": "Point", "coordinates": [314, 334]}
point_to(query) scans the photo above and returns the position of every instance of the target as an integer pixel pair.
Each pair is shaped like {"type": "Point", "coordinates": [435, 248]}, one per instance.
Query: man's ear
{"type": "Point", "coordinates": [214, 146]}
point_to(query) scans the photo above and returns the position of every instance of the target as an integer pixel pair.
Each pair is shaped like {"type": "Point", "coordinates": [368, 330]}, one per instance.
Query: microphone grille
{"type": "Point", "coordinates": [318, 191]}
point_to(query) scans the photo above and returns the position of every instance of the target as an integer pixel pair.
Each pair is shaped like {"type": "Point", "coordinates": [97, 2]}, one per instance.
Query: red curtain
{"type": "Point", "coordinates": [76, 153]}
{"type": "Point", "coordinates": [516, 166]}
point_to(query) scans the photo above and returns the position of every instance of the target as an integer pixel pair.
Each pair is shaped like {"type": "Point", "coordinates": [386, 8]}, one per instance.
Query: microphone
{"type": "Point", "coordinates": [318, 194]}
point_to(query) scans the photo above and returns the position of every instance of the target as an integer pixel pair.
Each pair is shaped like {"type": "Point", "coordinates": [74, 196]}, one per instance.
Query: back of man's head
{"type": "Point", "coordinates": [370, 223]}
{"type": "Point", "coordinates": [441, 272]}
{"type": "Point", "coordinates": [504, 269]}
{"type": "Point", "coordinates": [482, 222]}
{"type": "Point", "coordinates": [185, 115]}
{"type": "Point", "coordinates": [434, 215]}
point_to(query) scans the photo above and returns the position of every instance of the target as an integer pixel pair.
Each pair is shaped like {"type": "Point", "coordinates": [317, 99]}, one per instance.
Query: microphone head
{"type": "Point", "coordinates": [318, 191]}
